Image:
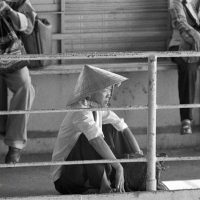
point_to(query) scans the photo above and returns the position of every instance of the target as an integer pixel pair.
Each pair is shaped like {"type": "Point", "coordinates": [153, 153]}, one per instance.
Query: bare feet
{"type": "Point", "coordinates": [105, 184]}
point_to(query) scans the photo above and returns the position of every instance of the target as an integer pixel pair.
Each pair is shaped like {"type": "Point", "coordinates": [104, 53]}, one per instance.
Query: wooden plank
{"type": "Point", "coordinates": [129, 46]}
{"type": "Point", "coordinates": [136, 16]}
{"type": "Point", "coordinates": [121, 3]}
{"type": "Point", "coordinates": [114, 1]}
{"type": "Point", "coordinates": [113, 41]}
{"type": "Point", "coordinates": [136, 19]}
{"type": "Point", "coordinates": [109, 35]}
{"type": "Point", "coordinates": [134, 30]}
{"type": "Point", "coordinates": [107, 10]}
{"type": "Point", "coordinates": [40, 2]}
{"type": "Point", "coordinates": [109, 6]}
{"type": "Point", "coordinates": [103, 7]}
{"type": "Point", "coordinates": [99, 5]}
{"type": "Point", "coordinates": [84, 28]}
{"type": "Point", "coordinates": [46, 7]}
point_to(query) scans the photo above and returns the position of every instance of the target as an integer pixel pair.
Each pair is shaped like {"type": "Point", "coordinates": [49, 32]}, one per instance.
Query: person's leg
{"type": "Point", "coordinates": [187, 74]}
{"type": "Point", "coordinates": [19, 83]}
{"type": "Point", "coordinates": [115, 139]}
{"type": "Point", "coordinates": [134, 179]}
{"type": "Point", "coordinates": [3, 105]}
{"type": "Point", "coordinates": [74, 177]}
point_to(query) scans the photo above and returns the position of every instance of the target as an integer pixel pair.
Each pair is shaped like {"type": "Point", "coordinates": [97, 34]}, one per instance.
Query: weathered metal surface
{"type": "Point", "coordinates": [40, 164]}
{"type": "Point", "coordinates": [103, 55]}
{"type": "Point", "coordinates": [127, 108]}
{"type": "Point", "coordinates": [151, 130]}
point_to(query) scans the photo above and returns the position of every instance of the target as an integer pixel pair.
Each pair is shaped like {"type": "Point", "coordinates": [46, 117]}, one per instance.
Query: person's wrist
{"type": "Point", "coordinates": [139, 152]}
{"type": "Point", "coordinates": [118, 167]}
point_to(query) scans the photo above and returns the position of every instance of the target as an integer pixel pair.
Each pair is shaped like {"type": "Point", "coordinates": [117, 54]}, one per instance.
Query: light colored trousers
{"type": "Point", "coordinates": [19, 83]}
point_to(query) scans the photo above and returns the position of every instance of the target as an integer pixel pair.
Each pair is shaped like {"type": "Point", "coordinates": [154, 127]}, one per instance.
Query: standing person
{"type": "Point", "coordinates": [81, 137]}
{"type": "Point", "coordinates": [21, 16]}
{"type": "Point", "coordinates": [186, 36]}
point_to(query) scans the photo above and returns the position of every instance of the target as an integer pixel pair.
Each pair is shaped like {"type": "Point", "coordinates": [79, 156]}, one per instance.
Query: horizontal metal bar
{"type": "Point", "coordinates": [102, 55]}
{"type": "Point", "coordinates": [162, 107]}
{"type": "Point", "coordinates": [76, 162]}
{"type": "Point", "coordinates": [186, 158]}
{"type": "Point", "coordinates": [70, 110]}
{"type": "Point", "coordinates": [127, 108]}
{"type": "Point", "coordinates": [80, 162]}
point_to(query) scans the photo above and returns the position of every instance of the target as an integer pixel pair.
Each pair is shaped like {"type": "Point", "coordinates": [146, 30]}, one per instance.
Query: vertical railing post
{"type": "Point", "coordinates": [151, 131]}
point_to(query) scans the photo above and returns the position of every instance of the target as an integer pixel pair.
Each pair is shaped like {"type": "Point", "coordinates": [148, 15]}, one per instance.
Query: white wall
{"type": "Point", "coordinates": [52, 91]}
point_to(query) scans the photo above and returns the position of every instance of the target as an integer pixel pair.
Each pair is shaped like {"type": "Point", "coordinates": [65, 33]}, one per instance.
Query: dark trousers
{"type": "Point", "coordinates": [74, 177]}
{"type": "Point", "coordinates": [3, 106]}
{"type": "Point", "coordinates": [187, 75]}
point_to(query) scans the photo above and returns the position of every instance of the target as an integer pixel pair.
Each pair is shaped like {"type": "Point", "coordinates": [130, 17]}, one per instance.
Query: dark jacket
{"type": "Point", "coordinates": [186, 26]}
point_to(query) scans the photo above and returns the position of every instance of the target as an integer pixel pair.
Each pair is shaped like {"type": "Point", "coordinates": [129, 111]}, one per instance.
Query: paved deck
{"type": "Point", "coordinates": [34, 181]}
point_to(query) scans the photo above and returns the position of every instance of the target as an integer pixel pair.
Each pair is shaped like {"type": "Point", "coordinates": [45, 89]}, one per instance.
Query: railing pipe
{"type": "Point", "coordinates": [82, 162]}
{"type": "Point", "coordinates": [151, 132]}
{"type": "Point", "coordinates": [126, 108]}
{"type": "Point", "coordinates": [101, 55]}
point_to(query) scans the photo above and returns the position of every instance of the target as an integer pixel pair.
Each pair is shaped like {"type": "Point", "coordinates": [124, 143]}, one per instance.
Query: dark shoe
{"type": "Point", "coordinates": [13, 155]}
{"type": "Point", "coordinates": [186, 127]}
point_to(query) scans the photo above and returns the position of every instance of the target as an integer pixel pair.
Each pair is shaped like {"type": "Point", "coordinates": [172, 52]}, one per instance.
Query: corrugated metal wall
{"type": "Point", "coordinates": [107, 25]}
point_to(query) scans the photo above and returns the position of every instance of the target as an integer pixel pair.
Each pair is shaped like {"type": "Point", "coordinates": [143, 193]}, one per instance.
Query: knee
{"type": "Point", "coordinates": [28, 89]}
{"type": "Point", "coordinates": [27, 86]}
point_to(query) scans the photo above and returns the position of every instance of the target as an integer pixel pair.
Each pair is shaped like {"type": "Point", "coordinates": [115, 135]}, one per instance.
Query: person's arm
{"type": "Point", "coordinates": [132, 141]}
{"type": "Point", "coordinates": [6, 10]}
{"type": "Point", "coordinates": [84, 122]}
{"type": "Point", "coordinates": [110, 117]}
{"type": "Point", "coordinates": [179, 21]}
{"type": "Point", "coordinates": [105, 152]}
{"type": "Point", "coordinates": [23, 19]}
{"type": "Point", "coordinates": [120, 125]}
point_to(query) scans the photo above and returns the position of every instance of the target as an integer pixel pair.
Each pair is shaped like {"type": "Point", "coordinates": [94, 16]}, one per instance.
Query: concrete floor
{"type": "Point", "coordinates": [34, 181]}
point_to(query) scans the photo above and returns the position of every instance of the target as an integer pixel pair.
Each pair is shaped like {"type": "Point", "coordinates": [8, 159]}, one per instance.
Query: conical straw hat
{"type": "Point", "coordinates": [93, 79]}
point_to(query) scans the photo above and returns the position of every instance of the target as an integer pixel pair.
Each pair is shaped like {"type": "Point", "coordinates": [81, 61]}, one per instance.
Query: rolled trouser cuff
{"type": "Point", "coordinates": [17, 143]}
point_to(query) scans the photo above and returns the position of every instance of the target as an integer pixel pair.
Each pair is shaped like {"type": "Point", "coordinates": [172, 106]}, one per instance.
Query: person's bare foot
{"type": "Point", "coordinates": [105, 184]}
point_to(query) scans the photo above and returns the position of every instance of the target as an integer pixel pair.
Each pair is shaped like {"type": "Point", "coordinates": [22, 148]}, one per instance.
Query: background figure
{"type": "Point", "coordinates": [81, 137]}
{"type": "Point", "coordinates": [186, 36]}
{"type": "Point", "coordinates": [21, 17]}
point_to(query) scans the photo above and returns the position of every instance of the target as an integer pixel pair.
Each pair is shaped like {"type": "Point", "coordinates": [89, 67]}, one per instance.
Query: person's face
{"type": "Point", "coordinates": [102, 97]}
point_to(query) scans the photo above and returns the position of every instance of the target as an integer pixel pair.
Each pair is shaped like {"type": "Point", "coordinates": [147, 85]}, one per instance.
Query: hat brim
{"type": "Point", "coordinates": [95, 79]}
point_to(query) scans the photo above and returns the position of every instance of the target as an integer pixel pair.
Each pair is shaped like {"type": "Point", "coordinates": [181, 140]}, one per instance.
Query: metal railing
{"type": "Point", "coordinates": [151, 107]}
